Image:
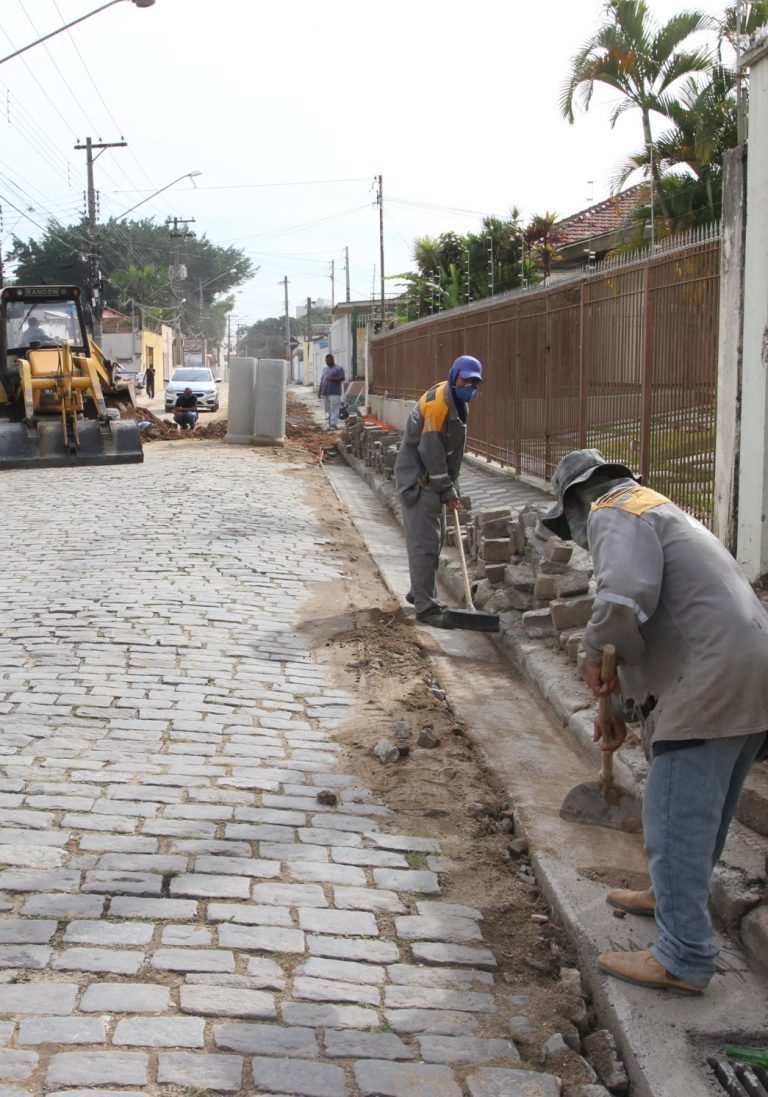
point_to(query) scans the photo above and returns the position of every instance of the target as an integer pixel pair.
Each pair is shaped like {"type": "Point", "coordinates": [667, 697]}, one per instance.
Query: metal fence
{"type": "Point", "coordinates": [623, 359]}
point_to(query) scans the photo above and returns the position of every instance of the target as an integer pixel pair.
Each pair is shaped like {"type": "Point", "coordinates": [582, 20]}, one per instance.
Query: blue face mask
{"type": "Point", "coordinates": [465, 392]}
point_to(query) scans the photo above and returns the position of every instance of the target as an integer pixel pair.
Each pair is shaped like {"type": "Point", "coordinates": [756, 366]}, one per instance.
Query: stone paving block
{"type": "Point", "coordinates": [411, 975]}
{"type": "Point", "coordinates": [435, 952]}
{"type": "Point", "coordinates": [299, 1076]}
{"type": "Point", "coordinates": [123, 883]}
{"type": "Point", "coordinates": [208, 1071]}
{"type": "Point", "coordinates": [465, 1049]}
{"type": "Point", "coordinates": [6, 1031]}
{"type": "Point", "coordinates": [362, 898]}
{"type": "Point", "coordinates": [186, 936]}
{"type": "Point", "coordinates": [249, 914]}
{"type": "Point", "coordinates": [179, 828]}
{"type": "Point", "coordinates": [143, 862]}
{"type": "Point", "coordinates": [324, 836]}
{"type": "Point", "coordinates": [119, 824]}
{"type": "Point", "coordinates": [39, 880]}
{"type": "Point", "coordinates": [218, 1001]}
{"type": "Point", "coordinates": [329, 1016]}
{"type": "Point", "coordinates": [159, 1032]}
{"type": "Point", "coordinates": [160, 909]}
{"type": "Point", "coordinates": [292, 851]}
{"type": "Point", "coordinates": [443, 1021]}
{"type": "Point", "coordinates": [29, 956]}
{"type": "Point", "coordinates": [126, 998]}
{"type": "Point", "coordinates": [346, 948]}
{"type": "Point", "coordinates": [415, 881]}
{"type": "Point", "coordinates": [261, 938]}
{"type": "Point", "coordinates": [326, 873]}
{"type": "Point", "coordinates": [262, 974]}
{"type": "Point", "coordinates": [193, 959]}
{"type": "Point", "coordinates": [343, 922]}
{"type": "Point", "coordinates": [64, 906]}
{"type": "Point", "coordinates": [404, 997]}
{"type": "Point", "coordinates": [63, 1030]}
{"type": "Point", "coordinates": [499, 1082]}
{"type": "Point", "coordinates": [379, 1078]}
{"type": "Point", "coordinates": [99, 959]}
{"type": "Point", "coordinates": [342, 971]}
{"type": "Point", "coordinates": [368, 858]}
{"type": "Point", "coordinates": [429, 908]}
{"type": "Point", "coordinates": [328, 990]}
{"type": "Point", "coordinates": [266, 972]}
{"type": "Point", "coordinates": [437, 928]}
{"type": "Point", "coordinates": [117, 843]}
{"type": "Point", "coordinates": [280, 894]}
{"type": "Point", "coordinates": [202, 886]}
{"type": "Point", "coordinates": [267, 1040]}
{"type": "Point", "coordinates": [349, 1044]}
{"type": "Point", "coordinates": [87, 1068]}
{"type": "Point", "coordinates": [81, 1093]}
{"type": "Point", "coordinates": [26, 931]}
{"type": "Point", "coordinates": [108, 933]}
{"type": "Point", "coordinates": [15, 1066]}
{"type": "Point", "coordinates": [237, 866]}
{"type": "Point", "coordinates": [33, 998]}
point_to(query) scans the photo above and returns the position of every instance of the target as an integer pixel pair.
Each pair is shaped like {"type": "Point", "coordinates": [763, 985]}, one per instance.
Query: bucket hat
{"type": "Point", "coordinates": [575, 468]}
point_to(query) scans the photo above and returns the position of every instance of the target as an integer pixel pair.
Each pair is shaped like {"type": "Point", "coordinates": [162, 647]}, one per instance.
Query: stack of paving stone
{"type": "Point", "coordinates": [523, 568]}
{"type": "Point", "coordinates": [374, 445]}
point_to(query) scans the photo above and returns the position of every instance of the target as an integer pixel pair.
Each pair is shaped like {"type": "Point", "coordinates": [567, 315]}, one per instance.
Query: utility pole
{"type": "Point", "coordinates": [203, 342]}
{"type": "Point", "coordinates": [468, 292]}
{"type": "Point", "coordinates": [287, 328]}
{"type": "Point", "coordinates": [380, 201]}
{"type": "Point", "coordinates": [94, 271]}
{"type": "Point", "coordinates": [178, 274]}
{"type": "Point", "coordinates": [229, 338]}
{"type": "Point", "coordinates": [346, 269]}
{"type": "Point", "coordinates": [333, 284]}
{"type": "Point", "coordinates": [309, 320]}
{"type": "Point", "coordinates": [490, 265]}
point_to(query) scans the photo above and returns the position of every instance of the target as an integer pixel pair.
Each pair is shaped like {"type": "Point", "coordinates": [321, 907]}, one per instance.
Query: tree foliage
{"type": "Point", "coordinates": [136, 259]}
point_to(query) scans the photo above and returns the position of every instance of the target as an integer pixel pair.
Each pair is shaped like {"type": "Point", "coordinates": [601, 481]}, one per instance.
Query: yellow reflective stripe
{"type": "Point", "coordinates": [633, 500]}
{"type": "Point", "coordinates": [435, 411]}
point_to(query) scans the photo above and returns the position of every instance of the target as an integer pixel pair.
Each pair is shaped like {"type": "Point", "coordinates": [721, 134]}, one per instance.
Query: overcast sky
{"type": "Point", "coordinates": [290, 110]}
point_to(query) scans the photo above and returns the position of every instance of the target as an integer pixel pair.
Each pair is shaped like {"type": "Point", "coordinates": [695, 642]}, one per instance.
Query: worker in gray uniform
{"type": "Point", "coordinates": [691, 641]}
{"type": "Point", "coordinates": [426, 475]}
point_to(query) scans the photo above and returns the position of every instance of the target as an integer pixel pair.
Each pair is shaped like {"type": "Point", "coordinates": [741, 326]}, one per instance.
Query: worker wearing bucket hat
{"type": "Point", "coordinates": [426, 473]}
{"type": "Point", "coordinates": [691, 641]}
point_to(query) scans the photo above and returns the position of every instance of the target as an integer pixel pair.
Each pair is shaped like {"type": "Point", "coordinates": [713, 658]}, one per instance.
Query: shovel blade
{"type": "Point", "coordinates": [595, 806]}
{"type": "Point", "coordinates": [471, 619]}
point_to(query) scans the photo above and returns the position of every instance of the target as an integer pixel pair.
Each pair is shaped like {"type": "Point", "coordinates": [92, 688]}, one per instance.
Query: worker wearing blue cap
{"type": "Point", "coordinates": [426, 473]}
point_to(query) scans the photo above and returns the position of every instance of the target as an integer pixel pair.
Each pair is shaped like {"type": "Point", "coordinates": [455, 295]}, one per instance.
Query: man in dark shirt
{"type": "Point", "coordinates": [185, 412]}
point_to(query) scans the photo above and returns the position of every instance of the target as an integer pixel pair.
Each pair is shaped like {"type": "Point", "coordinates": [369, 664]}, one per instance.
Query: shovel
{"type": "Point", "coordinates": [469, 618]}
{"type": "Point", "coordinates": [603, 803]}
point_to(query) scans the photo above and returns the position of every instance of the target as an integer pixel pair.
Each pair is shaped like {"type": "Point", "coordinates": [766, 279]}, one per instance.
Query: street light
{"type": "Point", "coordinates": [138, 3]}
{"type": "Point", "coordinates": [187, 175]}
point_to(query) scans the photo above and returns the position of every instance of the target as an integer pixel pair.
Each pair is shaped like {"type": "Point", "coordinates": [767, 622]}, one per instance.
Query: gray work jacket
{"type": "Point", "coordinates": [432, 448]}
{"type": "Point", "coordinates": [689, 630]}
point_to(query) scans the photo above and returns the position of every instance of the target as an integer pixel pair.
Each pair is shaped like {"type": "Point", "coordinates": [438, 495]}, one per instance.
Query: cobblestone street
{"type": "Point", "coordinates": [194, 895]}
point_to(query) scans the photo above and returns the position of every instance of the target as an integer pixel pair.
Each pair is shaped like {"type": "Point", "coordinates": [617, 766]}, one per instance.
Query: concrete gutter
{"type": "Point", "coordinates": [663, 1039]}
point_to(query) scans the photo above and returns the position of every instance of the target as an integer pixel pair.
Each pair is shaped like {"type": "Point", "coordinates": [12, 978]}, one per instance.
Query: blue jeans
{"type": "Point", "coordinates": [186, 419]}
{"type": "Point", "coordinates": [689, 801]}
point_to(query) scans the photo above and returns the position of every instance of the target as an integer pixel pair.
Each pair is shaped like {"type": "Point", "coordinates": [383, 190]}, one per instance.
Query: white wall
{"type": "Point", "coordinates": [752, 528]}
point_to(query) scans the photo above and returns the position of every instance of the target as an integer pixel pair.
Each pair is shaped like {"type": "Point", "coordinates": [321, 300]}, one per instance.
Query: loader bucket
{"type": "Point", "coordinates": [43, 446]}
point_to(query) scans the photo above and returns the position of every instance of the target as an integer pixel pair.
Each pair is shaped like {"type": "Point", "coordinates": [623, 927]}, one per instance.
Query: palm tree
{"type": "Point", "coordinates": [642, 61]}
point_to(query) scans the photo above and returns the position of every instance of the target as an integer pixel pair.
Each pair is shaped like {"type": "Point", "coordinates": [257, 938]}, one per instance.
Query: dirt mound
{"type": "Point", "coordinates": [165, 430]}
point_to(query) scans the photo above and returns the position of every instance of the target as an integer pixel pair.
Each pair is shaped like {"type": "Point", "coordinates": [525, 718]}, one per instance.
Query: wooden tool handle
{"type": "Point", "coordinates": [462, 559]}
{"type": "Point", "coordinates": [607, 671]}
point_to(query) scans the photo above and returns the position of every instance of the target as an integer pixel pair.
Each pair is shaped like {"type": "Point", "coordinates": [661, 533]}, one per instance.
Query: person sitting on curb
{"type": "Point", "coordinates": [426, 471]}
{"type": "Point", "coordinates": [691, 641]}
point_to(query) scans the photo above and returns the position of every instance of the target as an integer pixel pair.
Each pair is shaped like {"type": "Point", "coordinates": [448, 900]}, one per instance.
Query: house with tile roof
{"type": "Point", "coordinates": [592, 232]}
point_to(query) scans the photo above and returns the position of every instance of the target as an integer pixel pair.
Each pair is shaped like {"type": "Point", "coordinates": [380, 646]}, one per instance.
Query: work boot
{"type": "Point", "coordinates": [633, 902]}
{"type": "Point", "coordinates": [412, 601]}
{"type": "Point", "coordinates": [435, 618]}
{"type": "Point", "coordinates": [643, 970]}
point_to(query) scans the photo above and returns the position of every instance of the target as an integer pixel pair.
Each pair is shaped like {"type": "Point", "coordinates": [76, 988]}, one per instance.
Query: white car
{"type": "Point", "coordinates": [200, 380]}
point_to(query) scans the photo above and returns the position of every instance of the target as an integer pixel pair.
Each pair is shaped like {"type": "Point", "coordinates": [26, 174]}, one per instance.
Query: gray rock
{"type": "Point", "coordinates": [126, 998]}
{"type": "Point", "coordinates": [465, 1049]}
{"type": "Point", "coordinates": [600, 1049]}
{"type": "Point", "coordinates": [159, 1032]}
{"type": "Point", "coordinates": [386, 752]}
{"type": "Point", "coordinates": [348, 1044]}
{"type": "Point", "coordinates": [221, 1001]}
{"type": "Point", "coordinates": [63, 1030]}
{"type": "Point", "coordinates": [500, 1082]}
{"type": "Point", "coordinates": [88, 1068]}
{"type": "Point", "coordinates": [206, 1071]}
{"type": "Point", "coordinates": [266, 1040]}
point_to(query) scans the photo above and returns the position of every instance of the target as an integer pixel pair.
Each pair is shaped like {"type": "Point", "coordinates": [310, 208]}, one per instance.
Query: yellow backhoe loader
{"type": "Point", "coordinates": [56, 385]}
